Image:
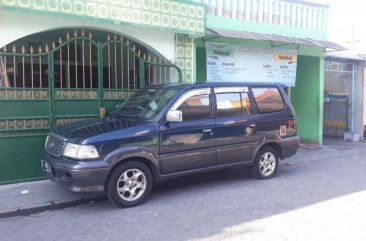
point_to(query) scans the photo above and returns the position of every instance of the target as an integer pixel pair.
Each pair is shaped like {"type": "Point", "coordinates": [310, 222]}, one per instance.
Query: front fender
{"type": "Point", "coordinates": [138, 152]}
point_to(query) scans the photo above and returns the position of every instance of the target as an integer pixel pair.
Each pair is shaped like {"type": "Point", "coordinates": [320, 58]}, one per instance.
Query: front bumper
{"type": "Point", "coordinates": [75, 176]}
{"type": "Point", "coordinates": [289, 146]}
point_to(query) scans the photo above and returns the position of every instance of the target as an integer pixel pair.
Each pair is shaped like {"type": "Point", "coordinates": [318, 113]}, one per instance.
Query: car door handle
{"type": "Point", "coordinates": [207, 130]}
{"type": "Point", "coordinates": [251, 125]}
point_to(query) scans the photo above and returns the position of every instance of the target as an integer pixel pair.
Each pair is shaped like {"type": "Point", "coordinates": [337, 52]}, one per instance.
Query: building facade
{"type": "Point", "coordinates": [344, 96]}
{"type": "Point", "coordinates": [66, 60]}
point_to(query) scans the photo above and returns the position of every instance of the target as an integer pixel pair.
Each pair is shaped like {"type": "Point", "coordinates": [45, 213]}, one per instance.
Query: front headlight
{"type": "Point", "coordinates": [80, 151]}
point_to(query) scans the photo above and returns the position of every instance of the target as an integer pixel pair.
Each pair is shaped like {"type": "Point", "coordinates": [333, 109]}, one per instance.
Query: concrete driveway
{"type": "Point", "coordinates": [319, 194]}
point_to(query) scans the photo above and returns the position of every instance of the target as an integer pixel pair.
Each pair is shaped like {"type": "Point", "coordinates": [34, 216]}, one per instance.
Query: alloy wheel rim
{"type": "Point", "coordinates": [131, 185]}
{"type": "Point", "coordinates": [267, 164]}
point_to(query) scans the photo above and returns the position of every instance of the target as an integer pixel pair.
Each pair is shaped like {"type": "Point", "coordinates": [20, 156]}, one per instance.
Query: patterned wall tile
{"type": "Point", "coordinates": [91, 9]}
{"type": "Point", "coordinates": [66, 6]}
{"type": "Point", "coordinates": [126, 3]}
{"type": "Point", "coordinates": [165, 21]}
{"type": "Point", "coordinates": [114, 13]}
{"type": "Point", "coordinates": [136, 16]}
{"type": "Point", "coordinates": [165, 7]}
{"type": "Point", "coordinates": [173, 15]}
{"type": "Point", "coordinates": [136, 3]}
{"type": "Point", "coordinates": [53, 5]}
{"type": "Point", "coordinates": [146, 4]}
{"type": "Point", "coordinates": [79, 7]}
{"type": "Point", "coordinates": [103, 11]}
{"type": "Point", "coordinates": [184, 51]}
{"type": "Point", "coordinates": [192, 11]}
{"type": "Point", "coordinates": [183, 23]}
{"type": "Point", "coordinates": [125, 15]}
{"type": "Point", "coordinates": [39, 4]}
{"type": "Point", "coordinates": [183, 9]}
{"type": "Point", "coordinates": [24, 3]}
{"type": "Point", "coordinates": [174, 7]}
{"type": "Point", "coordinates": [10, 2]}
{"type": "Point", "coordinates": [155, 19]}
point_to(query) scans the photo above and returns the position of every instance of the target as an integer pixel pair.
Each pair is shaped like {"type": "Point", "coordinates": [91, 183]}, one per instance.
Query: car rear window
{"type": "Point", "coordinates": [268, 99]}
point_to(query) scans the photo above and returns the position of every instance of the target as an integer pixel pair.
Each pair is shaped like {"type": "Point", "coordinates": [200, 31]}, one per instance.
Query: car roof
{"type": "Point", "coordinates": [209, 85]}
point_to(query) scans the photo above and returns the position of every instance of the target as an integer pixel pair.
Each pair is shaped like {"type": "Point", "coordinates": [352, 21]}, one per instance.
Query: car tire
{"type": "Point", "coordinates": [265, 163]}
{"type": "Point", "coordinates": [129, 184]}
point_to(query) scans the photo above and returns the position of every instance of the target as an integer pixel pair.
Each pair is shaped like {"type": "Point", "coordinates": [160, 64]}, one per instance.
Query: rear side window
{"type": "Point", "coordinates": [268, 99]}
{"type": "Point", "coordinates": [228, 104]}
{"type": "Point", "coordinates": [232, 104]}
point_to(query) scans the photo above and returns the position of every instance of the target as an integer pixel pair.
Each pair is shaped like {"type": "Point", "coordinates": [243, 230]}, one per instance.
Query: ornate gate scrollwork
{"type": "Point", "coordinates": [72, 78]}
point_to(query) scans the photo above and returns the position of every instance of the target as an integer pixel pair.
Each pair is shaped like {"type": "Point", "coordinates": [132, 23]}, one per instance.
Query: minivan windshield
{"type": "Point", "coordinates": [146, 103]}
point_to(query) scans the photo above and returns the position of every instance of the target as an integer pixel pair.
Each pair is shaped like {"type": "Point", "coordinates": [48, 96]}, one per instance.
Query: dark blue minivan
{"type": "Point", "coordinates": [166, 131]}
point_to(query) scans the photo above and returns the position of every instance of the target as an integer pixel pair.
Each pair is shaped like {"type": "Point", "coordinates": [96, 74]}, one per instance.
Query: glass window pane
{"type": "Point", "coordinates": [268, 99]}
{"type": "Point", "coordinates": [196, 108]}
{"type": "Point", "coordinates": [228, 104]}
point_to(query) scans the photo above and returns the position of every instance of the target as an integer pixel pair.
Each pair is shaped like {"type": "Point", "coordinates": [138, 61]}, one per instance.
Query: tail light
{"type": "Point", "coordinates": [291, 124]}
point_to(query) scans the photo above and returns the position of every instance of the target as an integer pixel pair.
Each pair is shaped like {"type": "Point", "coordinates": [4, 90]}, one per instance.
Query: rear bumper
{"type": "Point", "coordinates": [75, 176]}
{"type": "Point", "coordinates": [289, 146]}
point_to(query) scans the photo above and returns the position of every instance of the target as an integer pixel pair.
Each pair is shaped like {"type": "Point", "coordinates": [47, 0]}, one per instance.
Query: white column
{"type": "Point", "coordinates": [227, 8]}
{"type": "Point", "coordinates": [282, 13]}
{"type": "Point", "coordinates": [305, 17]}
{"type": "Point", "coordinates": [298, 16]}
{"type": "Point", "coordinates": [247, 9]}
{"type": "Point", "coordinates": [260, 11]}
{"type": "Point", "coordinates": [270, 11]}
{"type": "Point", "coordinates": [276, 13]}
{"type": "Point", "coordinates": [211, 7]}
{"type": "Point", "coordinates": [240, 12]}
{"type": "Point", "coordinates": [234, 9]}
{"type": "Point", "coordinates": [287, 14]}
{"type": "Point", "coordinates": [219, 8]}
{"type": "Point", "coordinates": [254, 11]}
{"type": "Point", "coordinates": [293, 14]}
{"type": "Point", "coordinates": [310, 18]}
{"type": "Point", "coordinates": [265, 11]}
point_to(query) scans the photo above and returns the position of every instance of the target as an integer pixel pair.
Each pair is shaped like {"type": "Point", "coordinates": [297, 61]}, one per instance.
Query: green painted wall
{"type": "Point", "coordinates": [201, 70]}
{"type": "Point", "coordinates": [20, 158]}
{"type": "Point", "coordinates": [307, 98]}
{"type": "Point", "coordinates": [238, 24]}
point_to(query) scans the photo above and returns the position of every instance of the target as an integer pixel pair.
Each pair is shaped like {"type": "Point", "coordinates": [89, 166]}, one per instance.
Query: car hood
{"type": "Point", "coordinates": [85, 129]}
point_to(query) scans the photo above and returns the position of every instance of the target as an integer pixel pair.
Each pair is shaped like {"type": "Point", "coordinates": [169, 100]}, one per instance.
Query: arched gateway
{"type": "Point", "coordinates": [61, 76]}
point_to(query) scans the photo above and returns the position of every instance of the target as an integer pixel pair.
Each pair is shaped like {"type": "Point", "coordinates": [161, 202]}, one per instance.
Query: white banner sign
{"type": "Point", "coordinates": [241, 63]}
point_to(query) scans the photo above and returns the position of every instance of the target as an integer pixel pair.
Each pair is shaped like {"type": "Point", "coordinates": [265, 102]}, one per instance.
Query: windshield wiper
{"type": "Point", "coordinates": [126, 115]}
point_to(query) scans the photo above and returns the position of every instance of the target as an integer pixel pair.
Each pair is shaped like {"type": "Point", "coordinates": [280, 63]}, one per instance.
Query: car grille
{"type": "Point", "coordinates": [55, 145]}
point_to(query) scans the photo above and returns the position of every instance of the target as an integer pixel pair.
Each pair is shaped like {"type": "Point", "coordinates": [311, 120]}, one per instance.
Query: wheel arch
{"type": "Point", "coordinates": [140, 154]}
{"type": "Point", "coordinates": [276, 146]}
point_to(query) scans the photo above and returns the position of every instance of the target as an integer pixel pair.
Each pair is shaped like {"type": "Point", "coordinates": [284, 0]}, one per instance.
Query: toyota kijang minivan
{"type": "Point", "coordinates": [166, 131]}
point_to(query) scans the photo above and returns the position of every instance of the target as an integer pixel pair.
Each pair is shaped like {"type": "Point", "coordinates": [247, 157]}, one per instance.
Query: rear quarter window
{"type": "Point", "coordinates": [268, 99]}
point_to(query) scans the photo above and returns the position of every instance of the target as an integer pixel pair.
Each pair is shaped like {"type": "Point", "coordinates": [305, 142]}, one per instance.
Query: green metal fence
{"type": "Point", "coordinates": [65, 81]}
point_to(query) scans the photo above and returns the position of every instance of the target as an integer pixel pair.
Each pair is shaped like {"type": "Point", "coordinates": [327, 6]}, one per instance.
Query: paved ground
{"type": "Point", "coordinates": [318, 195]}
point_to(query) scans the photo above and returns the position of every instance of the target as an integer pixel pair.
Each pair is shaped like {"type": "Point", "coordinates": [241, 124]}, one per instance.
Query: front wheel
{"type": "Point", "coordinates": [129, 184]}
{"type": "Point", "coordinates": [266, 163]}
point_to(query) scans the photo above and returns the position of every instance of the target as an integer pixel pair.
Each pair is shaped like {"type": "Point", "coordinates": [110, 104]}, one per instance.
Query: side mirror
{"type": "Point", "coordinates": [174, 116]}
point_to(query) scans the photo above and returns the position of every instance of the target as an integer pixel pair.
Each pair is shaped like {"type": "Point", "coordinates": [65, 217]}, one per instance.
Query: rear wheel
{"type": "Point", "coordinates": [266, 163]}
{"type": "Point", "coordinates": [129, 184]}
